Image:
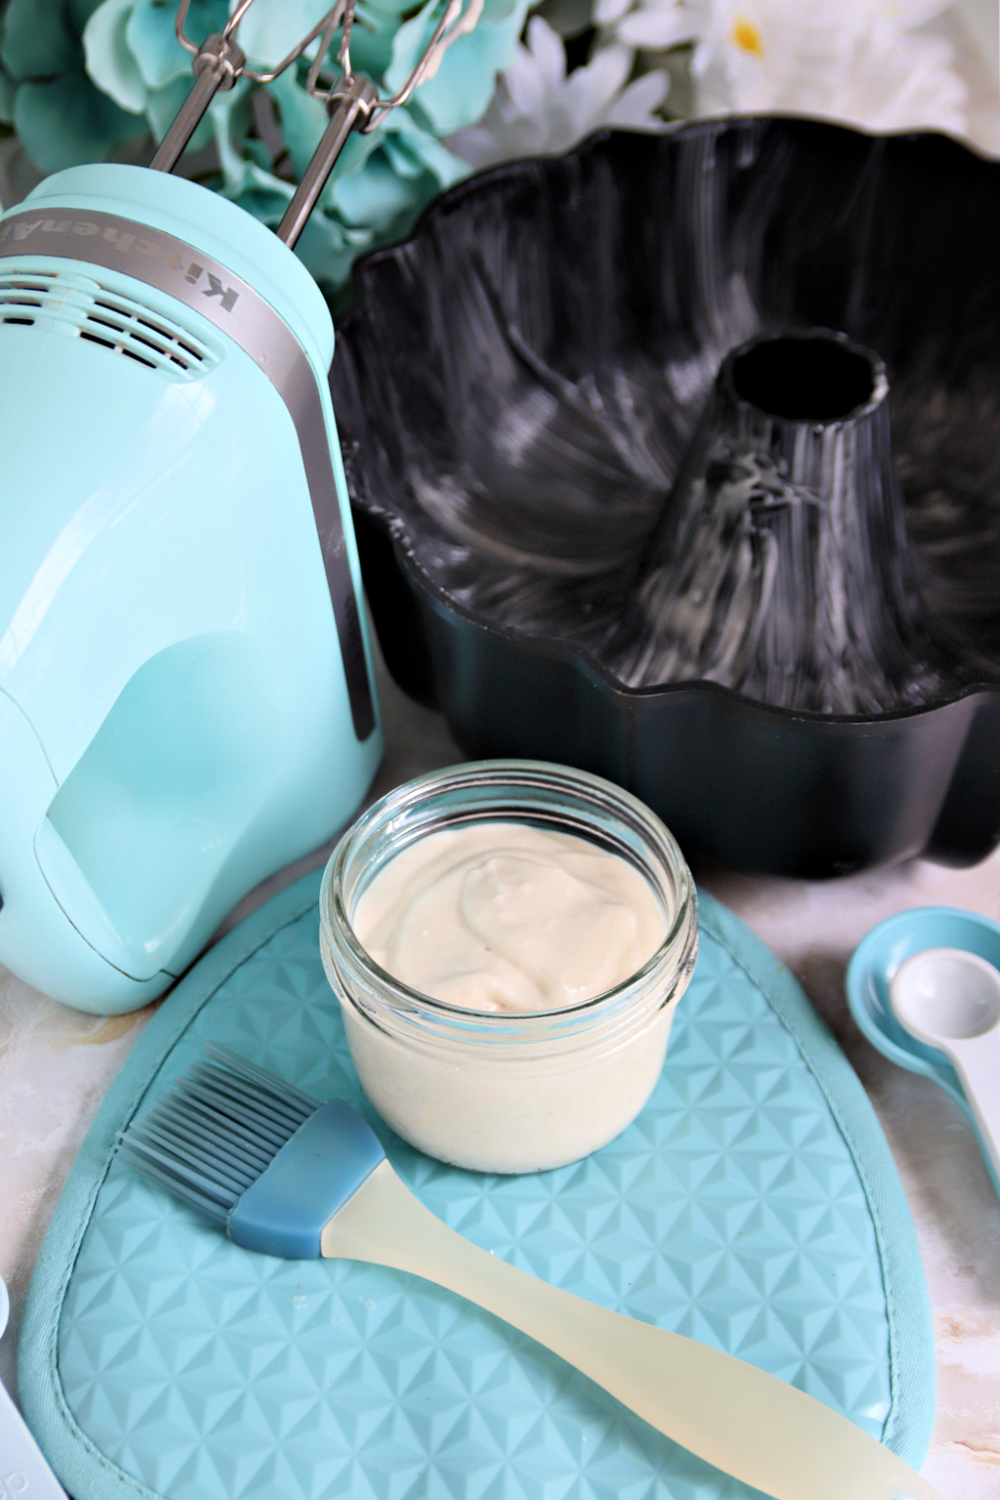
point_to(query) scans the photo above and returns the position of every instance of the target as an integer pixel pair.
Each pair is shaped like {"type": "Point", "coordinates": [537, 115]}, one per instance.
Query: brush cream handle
{"type": "Point", "coordinates": [749, 1424]}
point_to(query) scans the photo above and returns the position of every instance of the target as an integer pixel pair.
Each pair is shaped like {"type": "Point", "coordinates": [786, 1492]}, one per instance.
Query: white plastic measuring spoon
{"type": "Point", "coordinates": [950, 999]}
{"type": "Point", "coordinates": [23, 1470]}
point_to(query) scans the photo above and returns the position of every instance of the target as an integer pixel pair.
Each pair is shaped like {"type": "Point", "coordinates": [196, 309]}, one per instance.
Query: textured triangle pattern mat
{"type": "Point", "coordinates": [752, 1205]}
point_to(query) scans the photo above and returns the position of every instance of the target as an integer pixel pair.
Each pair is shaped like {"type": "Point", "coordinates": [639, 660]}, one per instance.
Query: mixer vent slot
{"type": "Point", "coordinates": [22, 298]}
{"type": "Point", "coordinates": [100, 315]}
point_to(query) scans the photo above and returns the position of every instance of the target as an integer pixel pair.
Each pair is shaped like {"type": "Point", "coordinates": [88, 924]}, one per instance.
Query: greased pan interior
{"type": "Point", "coordinates": [517, 387]}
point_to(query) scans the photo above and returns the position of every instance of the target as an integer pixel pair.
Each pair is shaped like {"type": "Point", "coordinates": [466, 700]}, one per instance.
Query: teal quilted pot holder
{"type": "Point", "coordinates": [753, 1205]}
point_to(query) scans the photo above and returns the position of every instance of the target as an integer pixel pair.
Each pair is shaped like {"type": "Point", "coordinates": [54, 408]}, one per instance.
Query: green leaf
{"type": "Point", "coordinates": [269, 32]}
{"type": "Point", "coordinates": [150, 35]}
{"type": "Point", "coordinates": [39, 40]}
{"type": "Point", "coordinates": [69, 121]}
{"type": "Point", "coordinates": [7, 93]}
{"type": "Point", "coordinates": [461, 89]}
{"type": "Point", "coordinates": [110, 60]}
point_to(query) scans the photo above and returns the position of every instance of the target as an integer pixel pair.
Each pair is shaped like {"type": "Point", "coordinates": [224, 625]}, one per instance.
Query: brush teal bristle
{"type": "Point", "coordinates": [268, 1162]}
{"type": "Point", "coordinates": [216, 1130]}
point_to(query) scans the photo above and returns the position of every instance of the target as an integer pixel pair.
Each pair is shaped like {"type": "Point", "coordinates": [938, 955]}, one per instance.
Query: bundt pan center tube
{"type": "Point", "coordinates": [675, 458]}
{"type": "Point", "coordinates": [780, 565]}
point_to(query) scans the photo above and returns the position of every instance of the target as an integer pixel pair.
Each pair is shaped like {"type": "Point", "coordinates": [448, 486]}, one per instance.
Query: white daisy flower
{"type": "Point", "coordinates": [866, 61]}
{"type": "Point", "coordinates": [538, 108]}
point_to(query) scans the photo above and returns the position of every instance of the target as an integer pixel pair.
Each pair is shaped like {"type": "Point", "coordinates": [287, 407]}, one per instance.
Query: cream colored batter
{"type": "Point", "coordinates": [504, 916]}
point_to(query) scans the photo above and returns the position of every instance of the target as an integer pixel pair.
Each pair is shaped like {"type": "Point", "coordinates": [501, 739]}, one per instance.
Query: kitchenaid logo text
{"type": "Point", "coordinates": [126, 244]}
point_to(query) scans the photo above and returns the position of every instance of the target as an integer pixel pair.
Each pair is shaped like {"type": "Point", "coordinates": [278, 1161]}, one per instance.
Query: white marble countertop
{"type": "Point", "coordinates": [55, 1065]}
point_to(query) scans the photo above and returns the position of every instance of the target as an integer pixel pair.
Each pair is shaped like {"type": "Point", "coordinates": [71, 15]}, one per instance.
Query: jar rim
{"type": "Point", "coordinates": [681, 934]}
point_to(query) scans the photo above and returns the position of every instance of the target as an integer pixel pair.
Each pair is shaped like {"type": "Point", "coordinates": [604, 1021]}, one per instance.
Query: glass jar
{"type": "Point", "coordinates": [508, 1091]}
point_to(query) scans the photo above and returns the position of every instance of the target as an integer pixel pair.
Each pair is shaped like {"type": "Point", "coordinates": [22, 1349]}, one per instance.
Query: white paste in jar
{"type": "Point", "coordinates": [504, 916]}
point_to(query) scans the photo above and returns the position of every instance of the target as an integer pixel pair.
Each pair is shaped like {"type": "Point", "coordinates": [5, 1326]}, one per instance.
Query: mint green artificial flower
{"type": "Point", "coordinates": [79, 77]}
{"type": "Point", "coordinates": [134, 57]}
{"type": "Point", "coordinates": [384, 180]}
{"type": "Point", "coordinates": [380, 185]}
{"type": "Point", "coordinates": [463, 85]}
{"type": "Point", "coordinates": [8, 89]}
{"type": "Point", "coordinates": [60, 114]}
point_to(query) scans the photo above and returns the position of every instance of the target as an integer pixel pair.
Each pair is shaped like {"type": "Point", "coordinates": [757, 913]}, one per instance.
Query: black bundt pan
{"type": "Point", "coordinates": [635, 253]}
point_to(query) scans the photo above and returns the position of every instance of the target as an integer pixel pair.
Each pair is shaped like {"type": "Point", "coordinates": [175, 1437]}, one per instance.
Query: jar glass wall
{"type": "Point", "coordinates": [504, 1091]}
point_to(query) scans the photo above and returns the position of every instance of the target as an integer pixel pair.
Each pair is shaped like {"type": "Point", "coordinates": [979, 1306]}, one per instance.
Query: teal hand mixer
{"type": "Point", "coordinates": [186, 694]}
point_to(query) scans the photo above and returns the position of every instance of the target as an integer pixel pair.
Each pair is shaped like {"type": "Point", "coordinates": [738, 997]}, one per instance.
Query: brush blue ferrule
{"type": "Point", "coordinates": [311, 1177]}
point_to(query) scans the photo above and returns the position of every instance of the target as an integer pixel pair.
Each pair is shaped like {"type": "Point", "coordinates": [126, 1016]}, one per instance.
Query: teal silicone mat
{"type": "Point", "coordinates": [753, 1205]}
